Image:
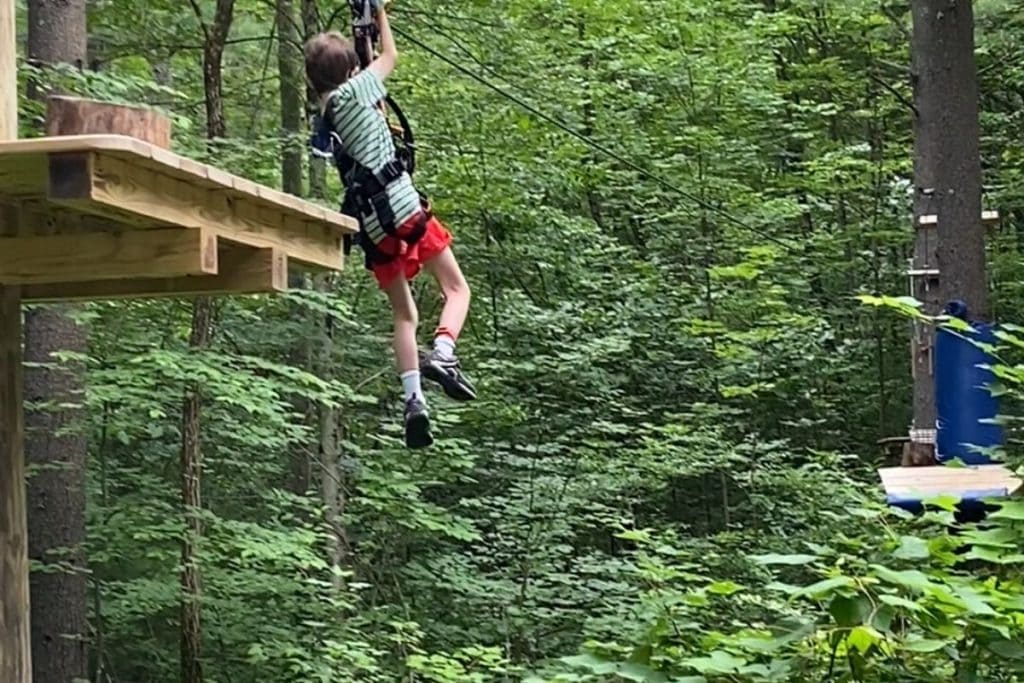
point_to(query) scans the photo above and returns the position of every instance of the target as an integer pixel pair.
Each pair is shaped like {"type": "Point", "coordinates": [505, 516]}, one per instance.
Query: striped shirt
{"type": "Point", "coordinates": [366, 137]}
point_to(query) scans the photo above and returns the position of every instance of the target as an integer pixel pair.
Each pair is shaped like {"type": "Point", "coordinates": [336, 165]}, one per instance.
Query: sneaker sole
{"type": "Point", "coordinates": [417, 432]}
{"type": "Point", "coordinates": [452, 387]}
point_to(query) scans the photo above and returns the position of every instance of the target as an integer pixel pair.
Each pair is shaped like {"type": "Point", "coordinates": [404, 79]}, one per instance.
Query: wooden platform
{"type": "Point", "coordinates": [100, 216]}
{"type": "Point", "coordinates": [907, 484]}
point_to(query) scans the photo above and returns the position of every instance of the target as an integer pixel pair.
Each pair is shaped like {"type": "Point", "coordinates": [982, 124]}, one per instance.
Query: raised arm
{"type": "Point", "coordinates": [388, 57]}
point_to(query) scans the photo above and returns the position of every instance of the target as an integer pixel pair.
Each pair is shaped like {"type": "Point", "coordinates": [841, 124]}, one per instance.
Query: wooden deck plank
{"type": "Point", "coordinates": [919, 482]}
{"type": "Point", "coordinates": [16, 154]}
{"type": "Point", "coordinates": [130, 194]}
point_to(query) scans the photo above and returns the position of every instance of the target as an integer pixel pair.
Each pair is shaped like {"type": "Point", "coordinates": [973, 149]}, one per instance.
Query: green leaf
{"type": "Point", "coordinates": [910, 578]}
{"type": "Point", "coordinates": [772, 559]}
{"type": "Point", "coordinates": [897, 601]}
{"type": "Point", "coordinates": [912, 548]}
{"type": "Point", "coordinates": [1012, 510]}
{"type": "Point", "coordinates": [718, 661]}
{"type": "Point", "coordinates": [724, 588]}
{"type": "Point", "coordinates": [591, 662]}
{"type": "Point", "coordinates": [642, 654]}
{"type": "Point", "coordinates": [994, 555]}
{"type": "Point", "coordinates": [825, 586]}
{"type": "Point", "coordinates": [915, 643]}
{"type": "Point", "coordinates": [863, 637]}
{"type": "Point", "coordinates": [849, 610]}
{"type": "Point", "coordinates": [975, 602]}
{"type": "Point", "coordinates": [631, 671]}
{"type": "Point", "coordinates": [1007, 649]}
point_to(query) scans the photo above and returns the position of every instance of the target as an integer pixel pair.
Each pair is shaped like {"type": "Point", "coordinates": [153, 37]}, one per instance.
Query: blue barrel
{"type": "Point", "coordinates": [963, 401]}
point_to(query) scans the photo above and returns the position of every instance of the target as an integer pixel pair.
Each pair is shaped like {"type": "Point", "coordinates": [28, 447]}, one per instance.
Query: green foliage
{"type": "Point", "coordinates": [669, 476]}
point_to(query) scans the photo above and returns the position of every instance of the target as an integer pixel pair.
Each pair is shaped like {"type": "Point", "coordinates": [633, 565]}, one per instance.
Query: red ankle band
{"type": "Point", "coordinates": [444, 332]}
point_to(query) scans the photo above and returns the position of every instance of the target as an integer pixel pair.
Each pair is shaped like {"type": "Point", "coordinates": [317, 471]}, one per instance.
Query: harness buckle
{"type": "Point", "coordinates": [389, 173]}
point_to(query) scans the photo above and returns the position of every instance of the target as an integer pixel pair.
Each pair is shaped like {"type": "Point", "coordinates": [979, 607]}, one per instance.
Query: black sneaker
{"type": "Point", "coordinates": [417, 424]}
{"type": "Point", "coordinates": [448, 374]}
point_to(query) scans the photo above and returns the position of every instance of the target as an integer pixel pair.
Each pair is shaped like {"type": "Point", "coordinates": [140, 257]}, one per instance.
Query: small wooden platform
{"type": "Point", "coordinates": [912, 484]}
{"type": "Point", "coordinates": [102, 216]}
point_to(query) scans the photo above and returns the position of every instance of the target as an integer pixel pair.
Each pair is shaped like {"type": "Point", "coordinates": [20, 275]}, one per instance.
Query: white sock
{"type": "Point", "coordinates": [445, 346]}
{"type": "Point", "coordinates": [411, 385]}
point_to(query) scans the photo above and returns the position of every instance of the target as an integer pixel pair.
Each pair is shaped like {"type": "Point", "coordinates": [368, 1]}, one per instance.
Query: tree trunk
{"type": "Point", "coordinates": [290, 69]}
{"type": "Point", "coordinates": [317, 166]}
{"type": "Point", "coordinates": [191, 479]}
{"type": "Point", "coordinates": [332, 476]}
{"type": "Point", "coordinates": [947, 177]}
{"type": "Point", "coordinates": [293, 106]}
{"type": "Point", "coordinates": [191, 666]}
{"type": "Point", "coordinates": [56, 34]}
{"type": "Point", "coordinates": [55, 443]}
{"type": "Point", "coordinates": [215, 37]}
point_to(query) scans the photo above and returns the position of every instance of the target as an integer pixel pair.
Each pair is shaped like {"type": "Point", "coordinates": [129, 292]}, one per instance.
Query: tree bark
{"type": "Point", "coordinates": [317, 166]}
{"type": "Point", "coordinates": [191, 498]}
{"type": "Point", "coordinates": [333, 491]}
{"type": "Point", "coordinates": [56, 34]}
{"type": "Point", "coordinates": [215, 37]}
{"type": "Point", "coordinates": [289, 63]}
{"type": "Point", "coordinates": [55, 443]}
{"type": "Point", "coordinates": [947, 176]}
{"type": "Point", "coordinates": [214, 40]}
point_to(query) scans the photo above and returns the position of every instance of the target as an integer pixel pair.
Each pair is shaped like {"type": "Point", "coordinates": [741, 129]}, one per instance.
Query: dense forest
{"type": "Point", "coordinates": [671, 213]}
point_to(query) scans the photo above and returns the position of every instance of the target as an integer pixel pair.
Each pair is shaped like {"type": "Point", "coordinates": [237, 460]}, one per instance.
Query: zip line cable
{"type": "Point", "coordinates": [593, 143]}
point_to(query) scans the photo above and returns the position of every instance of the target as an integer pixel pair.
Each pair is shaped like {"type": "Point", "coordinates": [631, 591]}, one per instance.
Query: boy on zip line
{"type": "Point", "coordinates": [397, 231]}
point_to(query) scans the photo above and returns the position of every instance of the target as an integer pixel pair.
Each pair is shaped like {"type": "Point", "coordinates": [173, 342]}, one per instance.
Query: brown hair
{"type": "Point", "coordinates": [330, 60]}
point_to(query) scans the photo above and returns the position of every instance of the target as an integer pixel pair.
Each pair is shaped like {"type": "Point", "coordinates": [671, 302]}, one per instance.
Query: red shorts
{"type": "Point", "coordinates": [410, 258]}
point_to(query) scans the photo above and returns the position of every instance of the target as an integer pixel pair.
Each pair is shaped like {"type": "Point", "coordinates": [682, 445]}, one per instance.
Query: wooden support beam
{"type": "Point", "coordinates": [103, 184]}
{"type": "Point", "coordinates": [171, 252]}
{"type": "Point", "coordinates": [15, 650]}
{"type": "Point", "coordinates": [242, 271]}
{"type": "Point", "coordinates": [8, 75]}
{"type": "Point", "coordinates": [75, 116]}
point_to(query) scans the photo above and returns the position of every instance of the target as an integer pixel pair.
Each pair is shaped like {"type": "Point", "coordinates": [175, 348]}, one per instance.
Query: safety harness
{"type": "Point", "coordinates": [366, 191]}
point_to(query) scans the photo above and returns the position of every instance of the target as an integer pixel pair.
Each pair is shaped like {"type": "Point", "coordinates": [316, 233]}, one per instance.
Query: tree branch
{"type": "Point", "coordinates": [895, 93]}
{"type": "Point", "coordinates": [199, 15]}
{"type": "Point", "coordinates": [222, 20]}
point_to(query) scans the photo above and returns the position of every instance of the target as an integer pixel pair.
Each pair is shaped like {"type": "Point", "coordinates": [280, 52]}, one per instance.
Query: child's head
{"type": "Point", "coordinates": [330, 61]}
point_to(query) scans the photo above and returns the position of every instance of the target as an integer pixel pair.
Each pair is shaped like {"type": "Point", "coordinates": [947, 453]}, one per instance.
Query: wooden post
{"type": "Point", "coordinates": [76, 116]}
{"type": "Point", "coordinates": [8, 72]}
{"type": "Point", "coordinates": [15, 657]}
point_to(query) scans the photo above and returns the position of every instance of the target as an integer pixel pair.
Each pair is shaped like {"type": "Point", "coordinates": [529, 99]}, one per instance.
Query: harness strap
{"type": "Point", "coordinates": [375, 256]}
{"type": "Point", "coordinates": [366, 192]}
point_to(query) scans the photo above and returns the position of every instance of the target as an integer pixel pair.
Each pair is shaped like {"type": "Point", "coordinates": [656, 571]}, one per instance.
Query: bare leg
{"type": "Point", "coordinates": [441, 365]}
{"type": "Point", "coordinates": [403, 308]}
{"type": "Point", "coordinates": [445, 269]}
{"type": "Point", "coordinates": [417, 418]}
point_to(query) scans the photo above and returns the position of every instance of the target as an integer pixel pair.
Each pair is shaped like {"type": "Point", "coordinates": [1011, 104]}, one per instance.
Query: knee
{"type": "Point", "coordinates": [457, 288]}
{"type": "Point", "coordinates": [406, 315]}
